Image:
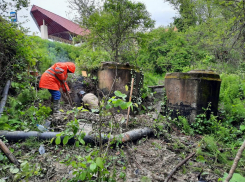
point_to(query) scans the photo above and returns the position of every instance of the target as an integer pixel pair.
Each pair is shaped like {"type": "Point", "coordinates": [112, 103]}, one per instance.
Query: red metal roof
{"type": "Point", "coordinates": [57, 25]}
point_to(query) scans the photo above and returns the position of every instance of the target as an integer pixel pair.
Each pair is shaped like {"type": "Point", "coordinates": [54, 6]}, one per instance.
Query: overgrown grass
{"type": "Point", "coordinates": [25, 111]}
{"type": "Point", "coordinates": [220, 142]}
{"type": "Point", "coordinates": [232, 97]}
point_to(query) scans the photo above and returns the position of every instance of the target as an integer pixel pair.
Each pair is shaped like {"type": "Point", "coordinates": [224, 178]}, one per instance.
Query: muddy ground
{"type": "Point", "coordinates": [148, 159]}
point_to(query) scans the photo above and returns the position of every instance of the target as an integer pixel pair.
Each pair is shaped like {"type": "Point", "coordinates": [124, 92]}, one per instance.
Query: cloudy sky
{"type": "Point", "coordinates": [160, 11]}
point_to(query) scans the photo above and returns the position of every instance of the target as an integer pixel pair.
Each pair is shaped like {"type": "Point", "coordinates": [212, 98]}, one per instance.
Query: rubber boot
{"type": "Point", "coordinates": [56, 107]}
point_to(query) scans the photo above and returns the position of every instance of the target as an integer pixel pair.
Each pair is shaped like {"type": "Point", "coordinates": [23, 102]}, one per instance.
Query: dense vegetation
{"type": "Point", "coordinates": [210, 35]}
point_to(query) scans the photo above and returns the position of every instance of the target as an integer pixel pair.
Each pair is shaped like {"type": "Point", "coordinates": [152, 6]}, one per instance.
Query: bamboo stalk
{"type": "Point", "coordinates": [130, 97]}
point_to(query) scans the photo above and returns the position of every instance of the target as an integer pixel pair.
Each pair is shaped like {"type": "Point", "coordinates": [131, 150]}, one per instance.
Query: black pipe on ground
{"type": "Point", "coordinates": [132, 135]}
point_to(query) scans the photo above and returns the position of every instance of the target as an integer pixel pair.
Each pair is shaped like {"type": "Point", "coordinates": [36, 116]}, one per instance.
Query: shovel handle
{"type": "Point", "coordinates": [68, 95]}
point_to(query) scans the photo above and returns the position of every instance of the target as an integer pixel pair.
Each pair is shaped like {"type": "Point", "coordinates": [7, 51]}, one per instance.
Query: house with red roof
{"type": "Point", "coordinates": [55, 27]}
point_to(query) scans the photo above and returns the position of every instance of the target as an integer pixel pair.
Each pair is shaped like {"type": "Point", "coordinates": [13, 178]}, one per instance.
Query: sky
{"type": "Point", "coordinates": [160, 11]}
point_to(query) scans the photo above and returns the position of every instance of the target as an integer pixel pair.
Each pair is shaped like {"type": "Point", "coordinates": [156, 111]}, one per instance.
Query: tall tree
{"type": "Point", "coordinates": [194, 12]}
{"type": "Point", "coordinates": [214, 25]}
{"type": "Point", "coordinates": [187, 14]}
{"type": "Point", "coordinates": [16, 5]}
{"type": "Point", "coordinates": [116, 25]}
{"type": "Point", "coordinates": [234, 12]}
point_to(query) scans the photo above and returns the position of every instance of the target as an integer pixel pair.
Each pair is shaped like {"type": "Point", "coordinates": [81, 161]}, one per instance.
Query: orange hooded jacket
{"type": "Point", "coordinates": [55, 77]}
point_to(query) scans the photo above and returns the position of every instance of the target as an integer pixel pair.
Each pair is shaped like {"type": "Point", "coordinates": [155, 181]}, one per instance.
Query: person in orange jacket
{"type": "Point", "coordinates": [54, 78]}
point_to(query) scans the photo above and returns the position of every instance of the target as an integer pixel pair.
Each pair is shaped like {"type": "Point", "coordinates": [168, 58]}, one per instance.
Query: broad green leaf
{"type": "Point", "coordinates": [14, 170]}
{"type": "Point", "coordinates": [69, 112]}
{"type": "Point", "coordinates": [242, 127]}
{"type": "Point", "coordinates": [82, 165]}
{"type": "Point", "coordinates": [107, 106]}
{"type": "Point", "coordinates": [5, 126]}
{"type": "Point", "coordinates": [17, 177]}
{"type": "Point", "coordinates": [75, 131]}
{"type": "Point", "coordinates": [74, 164]}
{"type": "Point", "coordinates": [122, 104]}
{"type": "Point", "coordinates": [81, 141]}
{"type": "Point", "coordinates": [120, 94]}
{"type": "Point", "coordinates": [200, 158]}
{"type": "Point", "coordinates": [117, 102]}
{"type": "Point", "coordinates": [94, 110]}
{"type": "Point", "coordinates": [1, 157]}
{"type": "Point", "coordinates": [122, 120]}
{"type": "Point", "coordinates": [122, 175]}
{"type": "Point", "coordinates": [93, 166]}
{"type": "Point", "coordinates": [59, 134]}
{"type": "Point", "coordinates": [235, 178]}
{"type": "Point", "coordinates": [80, 108]}
{"type": "Point", "coordinates": [99, 162]}
{"type": "Point", "coordinates": [65, 140]}
{"type": "Point", "coordinates": [132, 108]}
{"type": "Point", "coordinates": [57, 140]}
{"type": "Point", "coordinates": [126, 88]}
{"type": "Point", "coordinates": [51, 141]}
{"type": "Point", "coordinates": [83, 175]}
{"type": "Point", "coordinates": [77, 143]}
{"type": "Point", "coordinates": [125, 105]}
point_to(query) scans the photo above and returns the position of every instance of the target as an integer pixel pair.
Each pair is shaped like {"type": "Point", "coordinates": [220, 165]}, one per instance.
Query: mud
{"type": "Point", "coordinates": [150, 159]}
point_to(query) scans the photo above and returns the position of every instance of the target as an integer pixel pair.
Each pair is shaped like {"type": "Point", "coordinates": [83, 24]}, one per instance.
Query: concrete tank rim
{"type": "Point", "coordinates": [194, 74]}
{"type": "Point", "coordinates": [197, 71]}
{"type": "Point", "coordinates": [203, 71]}
{"type": "Point", "coordinates": [121, 66]}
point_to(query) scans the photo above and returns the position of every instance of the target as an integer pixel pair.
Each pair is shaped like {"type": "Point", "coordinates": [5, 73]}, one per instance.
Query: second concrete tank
{"type": "Point", "coordinates": [188, 94]}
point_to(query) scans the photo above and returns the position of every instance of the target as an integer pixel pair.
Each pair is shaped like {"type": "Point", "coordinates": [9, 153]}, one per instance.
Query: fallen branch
{"type": "Point", "coordinates": [180, 164]}
{"type": "Point", "coordinates": [235, 163]}
{"type": "Point", "coordinates": [7, 152]}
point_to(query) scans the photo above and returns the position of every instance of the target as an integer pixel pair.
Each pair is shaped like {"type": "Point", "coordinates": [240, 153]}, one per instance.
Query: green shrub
{"type": "Point", "coordinates": [4, 123]}
{"type": "Point", "coordinates": [210, 148]}
{"type": "Point", "coordinates": [90, 59]}
{"type": "Point", "coordinates": [43, 94]}
{"type": "Point", "coordinates": [185, 125]}
{"type": "Point", "coordinates": [232, 94]}
{"type": "Point", "coordinates": [43, 111]}
{"type": "Point", "coordinates": [202, 125]}
{"type": "Point", "coordinates": [26, 96]}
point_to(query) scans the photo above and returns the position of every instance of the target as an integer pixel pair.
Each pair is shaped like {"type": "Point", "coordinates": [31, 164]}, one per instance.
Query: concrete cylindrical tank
{"type": "Point", "coordinates": [114, 76]}
{"type": "Point", "coordinates": [188, 93]}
